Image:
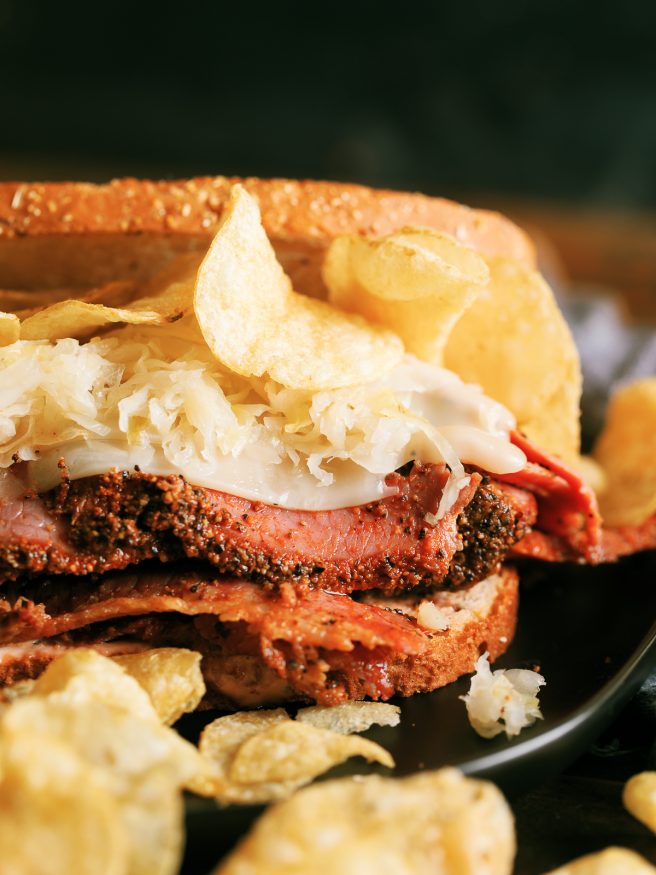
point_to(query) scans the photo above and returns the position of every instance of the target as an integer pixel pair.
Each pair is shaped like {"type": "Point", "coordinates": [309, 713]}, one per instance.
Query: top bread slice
{"type": "Point", "coordinates": [78, 235]}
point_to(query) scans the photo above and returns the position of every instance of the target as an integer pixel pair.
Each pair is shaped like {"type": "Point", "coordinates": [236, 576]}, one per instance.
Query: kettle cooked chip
{"type": "Point", "coordinates": [171, 676]}
{"type": "Point", "coordinates": [219, 742]}
{"type": "Point", "coordinates": [80, 318]}
{"type": "Point", "coordinates": [260, 756]}
{"type": "Point", "coordinates": [143, 766]}
{"type": "Point", "coordinates": [491, 320]}
{"type": "Point", "coordinates": [56, 815]}
{"type": "Point", "coordinates": [417, 282]}
{"type": "Point", "coordinates": [255, 323]}
{"type": "Point", "coordinates": [626, 450]}
{"type": "Point", "coordinates": [83, 675]}
{"type": "Point", "coordinates": [434, 823]}
{"type": "Point", "coordinates": [291, 751]}
{"type": "Point", "coordinates": [514, 342]}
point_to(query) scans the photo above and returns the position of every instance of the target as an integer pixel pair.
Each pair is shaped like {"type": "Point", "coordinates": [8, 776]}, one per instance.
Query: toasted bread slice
{"type": "Point", "coordinates": [78, 235]}
{"type": "Point", "coordinates": [480, 618]}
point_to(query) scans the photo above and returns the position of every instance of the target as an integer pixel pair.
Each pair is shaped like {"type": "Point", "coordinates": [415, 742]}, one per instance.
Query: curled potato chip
{"type": "Point", "coordinates": [351, 716]}
{"type": "Point", "coordinates": [292, 751]}
{"type": "Point", "coordinates": [639, 797]}
{"type": "Point", "coordinates": [626, 450]}
{"type": "Point", "coordinates": [83, 675]}
{"type": "Point", "coordinates": [417, 282]}
{"type": "Point", "coordinates": [56, 816]}
{"type": "Point", "coordinates": [515, 343]}
{"type": "Point", "coordinates": [612, 861]}
{"type": "Point", "coordinates": [219, 742]}
{"type": "Point", "coordinates": [254, 322]}
{"type": "Point", "coordinates": [435, 823]}
{"type": "Point", "coordinates": [79, 318]}
{"type": "Point", "coordinates": [9, 329]}
{"type": "Point", "coordinates": [171, 676]}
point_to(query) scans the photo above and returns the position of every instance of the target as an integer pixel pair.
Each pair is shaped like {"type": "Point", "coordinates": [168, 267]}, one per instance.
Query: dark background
{"type": "Point", "coordinates": [551, 100]}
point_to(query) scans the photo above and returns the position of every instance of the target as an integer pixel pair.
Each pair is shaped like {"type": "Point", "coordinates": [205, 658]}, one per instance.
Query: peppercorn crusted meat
{"type": "Point", "coordinates": [109, 522]}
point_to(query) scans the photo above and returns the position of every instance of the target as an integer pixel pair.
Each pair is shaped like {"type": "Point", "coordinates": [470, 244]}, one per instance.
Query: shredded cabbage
{"type": "Point", "coordinates": [167, 400]}
{"type": "Point", "coordinates": [504, 700]}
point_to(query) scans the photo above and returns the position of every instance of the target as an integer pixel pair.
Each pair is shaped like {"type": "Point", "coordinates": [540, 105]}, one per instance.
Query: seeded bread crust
{"type": "Point", "coordinates": [79, 235]}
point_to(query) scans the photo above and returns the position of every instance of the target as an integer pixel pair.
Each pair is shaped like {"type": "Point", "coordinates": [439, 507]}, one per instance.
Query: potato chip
{"type": "Point", "coordinates": [80, 318]}
{"type": "Point", "coordinates": [417, 282]}
{"type": "Point", "coordinates": [172, 678]}
{"type": "Point", "coordinates": [219, 742]}
{"type": "Point", "coordinates": [434, 823]}
{"type": "Point", "coordinates": [254, 322]}
{"type": "Point", "coordinates": [153, 814]}
{"type": "Point", "coordinates": [83, 675]}
{"type": "Point", "coordinates": [639, 798]}
{"type": "Point", "coordinates": [56, 816]}
{"type": "Point", "coordinates": [144, 764]}
{"type": "Point", "coordinates": [612, 861]}
{"type": "Point", "coordinates": [9, 329]}
{"type": "Point", "coordinates": [591, 472]}
{"type": "Point", "coordinates": [626, 450]}
{"type": "Point", "coordinates": [351, 716]}
{"type": "Point", "coordinates": [294, 751]}
{"type": "Point", "coordinates": [108, 737]}
{"type": "Point", "coordinates": [515, 343]}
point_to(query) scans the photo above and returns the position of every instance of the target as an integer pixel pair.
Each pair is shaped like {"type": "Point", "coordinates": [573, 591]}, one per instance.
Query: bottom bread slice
{"type": "Point", "coordinates": [261, 646]}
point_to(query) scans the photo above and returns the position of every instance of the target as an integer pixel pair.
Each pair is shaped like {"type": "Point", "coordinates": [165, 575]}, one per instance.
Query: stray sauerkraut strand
{"type": "Point", "coordinates": [505, 700]}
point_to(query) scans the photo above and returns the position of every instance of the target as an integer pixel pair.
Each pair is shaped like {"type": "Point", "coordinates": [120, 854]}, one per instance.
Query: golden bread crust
{"type": "Point", "coordinates": [78, 234]}
{"type": "Point", "coordinates": [454, 652]}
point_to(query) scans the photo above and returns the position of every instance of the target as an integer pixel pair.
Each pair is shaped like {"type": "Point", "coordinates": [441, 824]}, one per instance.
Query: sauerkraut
{"type": "Point", "coordinates": [504, 700]}
{"type": "Point", "coordinates": [162, 401]}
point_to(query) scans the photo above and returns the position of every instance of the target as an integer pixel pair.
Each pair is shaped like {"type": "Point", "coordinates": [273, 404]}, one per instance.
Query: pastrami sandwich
{"type": "Point", "coordinates": [275, 467]}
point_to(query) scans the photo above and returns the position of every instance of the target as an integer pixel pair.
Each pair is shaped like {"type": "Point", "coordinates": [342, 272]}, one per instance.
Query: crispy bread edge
{"type": "Point", "coordinates": [78, 235]}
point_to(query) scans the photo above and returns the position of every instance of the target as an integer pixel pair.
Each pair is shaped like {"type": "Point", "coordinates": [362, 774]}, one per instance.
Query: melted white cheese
{"type": "Point", "coordinates": [170, 409]}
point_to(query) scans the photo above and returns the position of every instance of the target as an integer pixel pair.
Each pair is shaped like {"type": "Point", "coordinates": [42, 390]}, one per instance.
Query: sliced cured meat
{"type": "Point", "coordinates": [323, 646]}
{"type": "Point", "coordinates": [109, 522]}
{"type": "Point", "coordinates": [615, 543]}
{"type": "Point", "coordinates": [19, 662]}
{"type": "Point", "coordinates": [567, 506]}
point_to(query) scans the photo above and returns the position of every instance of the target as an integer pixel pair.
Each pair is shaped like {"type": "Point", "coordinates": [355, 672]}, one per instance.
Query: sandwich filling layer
{"type": "Point", "coordinates": [162, 402]}
{"type": "Point", "coordinates": [105, 523]}
{"type": "Point", "coordinates": [258, 645]}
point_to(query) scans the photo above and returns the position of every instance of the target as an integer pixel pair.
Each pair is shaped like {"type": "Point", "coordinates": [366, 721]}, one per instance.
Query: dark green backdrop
{"type": "Point", "coordinates": [551, 99]}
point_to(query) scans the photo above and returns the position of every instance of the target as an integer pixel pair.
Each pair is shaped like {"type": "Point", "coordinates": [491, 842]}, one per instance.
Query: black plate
{"type": "Point", "coordinates": [592, 631]}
